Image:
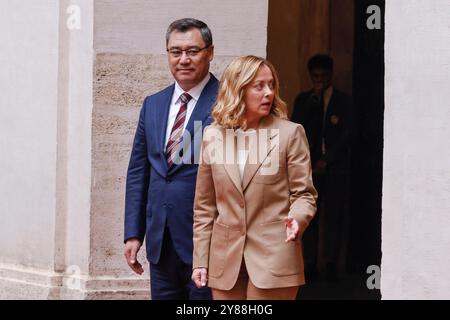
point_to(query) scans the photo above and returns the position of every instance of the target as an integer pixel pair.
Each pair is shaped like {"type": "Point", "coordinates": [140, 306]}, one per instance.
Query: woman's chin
{"type": "Point", "coordinates": [265, 111]}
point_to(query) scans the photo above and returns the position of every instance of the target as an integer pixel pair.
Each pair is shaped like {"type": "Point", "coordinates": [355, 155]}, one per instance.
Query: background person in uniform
{"type": "Point", "coordinates": [250, 212]}
{"type": "Point", "coordinates": [326, 114]}
{"type": "Point", "coordinates": [160, 187]}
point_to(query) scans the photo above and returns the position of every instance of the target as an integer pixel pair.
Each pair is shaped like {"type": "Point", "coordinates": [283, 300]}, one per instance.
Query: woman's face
{"type": "Point", "coordinates": [259, 94]}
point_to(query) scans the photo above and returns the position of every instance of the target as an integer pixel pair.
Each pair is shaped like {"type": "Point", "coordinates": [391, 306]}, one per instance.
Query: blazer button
{"type": "Point", "coordinates": [168, 180]}
{"type": "Point", "coordinates": [242, 204]}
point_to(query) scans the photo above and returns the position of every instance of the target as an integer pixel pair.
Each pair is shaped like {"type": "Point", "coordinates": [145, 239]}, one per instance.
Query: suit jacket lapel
{"type": "Point", "coordinates": [331, 108]}
{"type": "Point", "coordinates": [204, 104]}
{"type": "Point", "coordinates": [161, 123]}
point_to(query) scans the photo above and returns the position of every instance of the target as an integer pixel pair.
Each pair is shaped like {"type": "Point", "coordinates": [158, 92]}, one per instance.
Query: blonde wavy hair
{"type": "Point", "coordinates": [229, 109]}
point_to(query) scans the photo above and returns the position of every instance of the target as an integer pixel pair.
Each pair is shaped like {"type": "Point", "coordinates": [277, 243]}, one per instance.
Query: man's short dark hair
{"type": "Point", "coordinates": [183, 25]}
{"type": "Point", "coordinates": [322, 61]}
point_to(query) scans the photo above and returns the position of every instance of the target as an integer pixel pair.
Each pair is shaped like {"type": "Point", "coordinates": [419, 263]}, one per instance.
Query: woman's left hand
{"type": "Point", "coordinates": [292, 229]}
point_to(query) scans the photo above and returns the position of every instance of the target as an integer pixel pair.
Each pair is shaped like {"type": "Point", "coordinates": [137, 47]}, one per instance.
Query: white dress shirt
{"type": "Point", "coordinates": [326, 101]}
{"type": "Point", "coordinates": [175, 104]}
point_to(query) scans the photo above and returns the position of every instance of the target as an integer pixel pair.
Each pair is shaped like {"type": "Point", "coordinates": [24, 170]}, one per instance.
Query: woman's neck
{"type": "Point", "coordinates": [253, 123]}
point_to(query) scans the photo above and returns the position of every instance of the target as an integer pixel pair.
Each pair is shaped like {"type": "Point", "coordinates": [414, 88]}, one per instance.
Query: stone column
{"type": "Point", "coordinates": [46, 121]}
{"type": "Point", "coordinates": [416, 188]}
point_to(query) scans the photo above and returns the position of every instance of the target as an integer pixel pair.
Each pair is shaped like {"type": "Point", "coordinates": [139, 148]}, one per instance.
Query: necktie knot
{"type": "Point", "coordinates": [185, 98]}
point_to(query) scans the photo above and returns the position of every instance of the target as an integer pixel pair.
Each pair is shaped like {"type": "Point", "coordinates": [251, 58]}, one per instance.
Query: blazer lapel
{"type": "Point", "coordinates": [251, 168]}
{"type": "Point", "coordinates": [230, 164]}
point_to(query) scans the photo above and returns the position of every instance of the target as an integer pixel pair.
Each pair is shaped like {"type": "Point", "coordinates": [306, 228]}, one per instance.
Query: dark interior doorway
{"type": "Point", "coordinates": [297, 29]}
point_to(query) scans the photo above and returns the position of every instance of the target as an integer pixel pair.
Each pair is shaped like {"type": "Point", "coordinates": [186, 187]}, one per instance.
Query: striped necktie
{"type": "Point", "coordinates": [177, 130]}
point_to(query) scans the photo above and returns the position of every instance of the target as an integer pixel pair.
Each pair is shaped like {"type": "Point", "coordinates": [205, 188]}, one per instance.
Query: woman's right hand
{"type": "Point", "coordinates": [200, 277]}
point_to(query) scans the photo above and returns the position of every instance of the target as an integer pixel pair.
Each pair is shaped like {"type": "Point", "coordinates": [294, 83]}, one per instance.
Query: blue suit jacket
{"type": "Point", "coordinates": [155, 195]}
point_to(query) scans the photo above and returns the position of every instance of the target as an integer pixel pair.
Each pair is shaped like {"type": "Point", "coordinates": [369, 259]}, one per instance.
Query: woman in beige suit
{"type": "Point", "coordinates": [254, 196]}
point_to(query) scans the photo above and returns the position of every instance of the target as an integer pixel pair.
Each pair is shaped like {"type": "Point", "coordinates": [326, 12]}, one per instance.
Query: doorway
{"type": "Point", "coordinates": [298, 29]}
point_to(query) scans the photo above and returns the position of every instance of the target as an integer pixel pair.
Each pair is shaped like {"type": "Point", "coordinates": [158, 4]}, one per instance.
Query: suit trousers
{"type": "Point", "coordinates": [244, 289]}
{"type": "Point", "coordinates": [170, 278]}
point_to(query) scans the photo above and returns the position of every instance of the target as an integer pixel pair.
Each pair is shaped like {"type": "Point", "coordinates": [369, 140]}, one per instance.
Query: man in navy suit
{"type": "Point", "coordinates": [164, 161]}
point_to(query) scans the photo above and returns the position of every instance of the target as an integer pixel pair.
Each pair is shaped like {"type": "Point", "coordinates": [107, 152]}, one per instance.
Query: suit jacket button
{"type": "Point", "coordinates": [242, 204]}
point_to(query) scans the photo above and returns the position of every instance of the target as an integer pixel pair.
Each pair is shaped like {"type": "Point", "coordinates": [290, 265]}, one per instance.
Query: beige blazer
{"type": "Point", "coordinates": [238, 218]}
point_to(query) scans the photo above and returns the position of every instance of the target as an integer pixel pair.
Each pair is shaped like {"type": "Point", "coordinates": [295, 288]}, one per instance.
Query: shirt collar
{"type": "Point", "coordinates": [195, 92]}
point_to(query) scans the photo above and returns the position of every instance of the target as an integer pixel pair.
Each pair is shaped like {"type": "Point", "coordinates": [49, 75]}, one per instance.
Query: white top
{"type": "Point", "coordinates": [326, 98]}
{"type": "Point", "coordinates": [243, 148]}
{"type": "Point", "coordinates": [242, 159]}
{"type": "Point", "coordinates": [326, 101]}
{"type": "Point", "coordinates": [175, 104]}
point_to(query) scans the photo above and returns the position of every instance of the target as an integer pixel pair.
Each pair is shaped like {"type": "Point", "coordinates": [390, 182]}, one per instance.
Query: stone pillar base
{"type": "Point", "coordinates": [37, 284]}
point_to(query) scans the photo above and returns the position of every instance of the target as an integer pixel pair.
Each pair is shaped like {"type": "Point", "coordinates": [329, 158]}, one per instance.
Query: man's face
{"type": "Point", "coordinates": [321, 79]}
{"type": "Point", "coordinates": [189, 67]}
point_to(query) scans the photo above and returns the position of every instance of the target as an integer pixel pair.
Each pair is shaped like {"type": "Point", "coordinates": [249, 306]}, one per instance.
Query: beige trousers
{"type": "Point", "coordinates": [244, 289]}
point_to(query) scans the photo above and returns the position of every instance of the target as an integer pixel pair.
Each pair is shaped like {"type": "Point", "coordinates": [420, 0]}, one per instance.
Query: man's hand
{"type": "Point", "coordinates": [200, 277]}
{"type": "Point", "coordinates": [292, 229]}
{"type": "Point", "coordinates": [132, 247]}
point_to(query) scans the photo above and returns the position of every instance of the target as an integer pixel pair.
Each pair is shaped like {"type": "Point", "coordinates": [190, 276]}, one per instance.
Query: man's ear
{"type": "Point", "coordinates": [212, 53]}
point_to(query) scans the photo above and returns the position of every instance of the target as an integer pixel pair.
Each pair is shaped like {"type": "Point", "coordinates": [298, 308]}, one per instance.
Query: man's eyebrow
{"type": "Point", "coordinates": [190, 47]}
